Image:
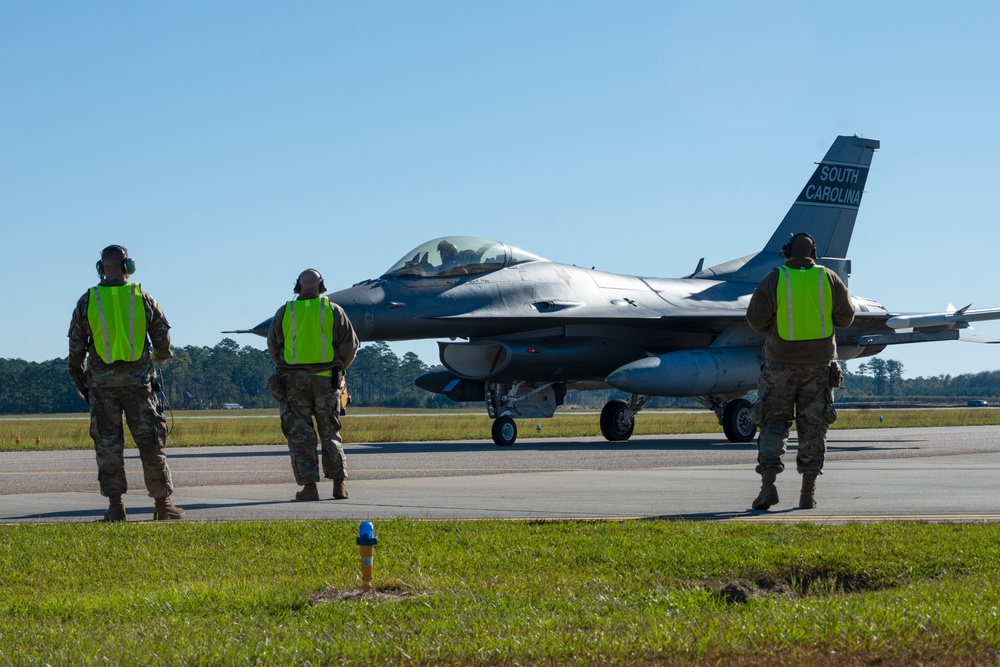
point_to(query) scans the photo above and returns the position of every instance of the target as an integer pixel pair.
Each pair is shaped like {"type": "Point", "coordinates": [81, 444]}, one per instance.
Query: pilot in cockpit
{"type": "Point", "coordinates": [449, 254]}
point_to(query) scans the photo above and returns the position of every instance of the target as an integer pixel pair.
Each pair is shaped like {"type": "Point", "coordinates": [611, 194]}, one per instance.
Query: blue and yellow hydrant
{"type": "Point", "coordinates": [367, 541]}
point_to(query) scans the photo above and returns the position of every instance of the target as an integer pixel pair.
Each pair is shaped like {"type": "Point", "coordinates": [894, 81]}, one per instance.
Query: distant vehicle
{"type": "Point", "coordinates": [978, 404]}
{"type": "Point", "coordinates": [232, 406]}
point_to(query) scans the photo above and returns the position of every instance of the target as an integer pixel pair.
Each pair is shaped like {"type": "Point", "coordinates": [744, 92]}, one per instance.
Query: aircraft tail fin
{"type": "Point", "coordinates": [826, 209]}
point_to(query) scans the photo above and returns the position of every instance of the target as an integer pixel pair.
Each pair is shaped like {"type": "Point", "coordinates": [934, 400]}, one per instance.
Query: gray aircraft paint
{"type": "Point", "coordinates": [533, 329]}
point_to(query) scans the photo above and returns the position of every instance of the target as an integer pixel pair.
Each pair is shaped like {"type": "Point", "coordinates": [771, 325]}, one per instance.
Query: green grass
{"type": "Point", "coordinates": [489, 592]}
{"type": "Point", "coordinates": [260, 427]}
{"type": "Point", "coordinates": [500, 593]}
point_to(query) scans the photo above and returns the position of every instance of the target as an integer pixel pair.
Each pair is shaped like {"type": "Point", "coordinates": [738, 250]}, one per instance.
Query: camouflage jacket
{"type": "Point", "coordinates": [86, 367]}
{"type": "Point", "coordinates": [762, 317]}
{"type": "Point", "coordinates": [345, 344]}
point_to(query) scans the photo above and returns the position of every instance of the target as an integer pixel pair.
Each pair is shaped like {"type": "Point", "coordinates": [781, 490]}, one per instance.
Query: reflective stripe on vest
{"type": "Point", "coordinates": [805, 304]}
{"type": "Point", "coordinates": [117, 318]}
{"type": "Point", "coordinates": [308, 329]}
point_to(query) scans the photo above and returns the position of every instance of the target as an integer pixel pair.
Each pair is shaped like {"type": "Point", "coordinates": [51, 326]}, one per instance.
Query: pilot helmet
{"type": "Point", "coordinates": [446, 248]}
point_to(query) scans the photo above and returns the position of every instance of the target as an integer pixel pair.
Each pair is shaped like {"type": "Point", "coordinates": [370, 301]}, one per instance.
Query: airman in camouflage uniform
{"type": "Point", "coordinates": [311, 342]}
{"type": "Point", "coordinates": [798, 380]}
{"type": "Point", "coordinates": [116, 334]}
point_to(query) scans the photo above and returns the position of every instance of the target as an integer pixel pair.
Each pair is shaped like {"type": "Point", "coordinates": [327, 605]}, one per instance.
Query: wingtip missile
{"type": "Point", "coordinates": [955, 319]}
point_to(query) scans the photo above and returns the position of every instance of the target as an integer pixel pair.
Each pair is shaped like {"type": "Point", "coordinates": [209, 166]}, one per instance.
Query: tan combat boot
{"type": "Point", "coordinates": [116, 508]}
{"type": "Point", "coordinates": [339, 489]}
{"type": "Point", "coordinates": [807, 499]}
{"type": "Point", "coordinates": [165, 510]}
{"type": "Point", "coordinates": [768, 491]}
{"type": "Point", "coordinates": [308, 492]}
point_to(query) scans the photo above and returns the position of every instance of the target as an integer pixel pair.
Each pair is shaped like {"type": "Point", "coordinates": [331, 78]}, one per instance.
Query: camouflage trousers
{"type": "Point", "coordinates": [148, 428]}
{"type": "Point", "coordinates": [803, 392]}
{"type": "Point", "coordinates": [309, 397]}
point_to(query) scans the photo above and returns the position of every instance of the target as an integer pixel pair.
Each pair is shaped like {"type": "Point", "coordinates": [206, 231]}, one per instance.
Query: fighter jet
{"type": "Point", "coordinates": [532, 329]}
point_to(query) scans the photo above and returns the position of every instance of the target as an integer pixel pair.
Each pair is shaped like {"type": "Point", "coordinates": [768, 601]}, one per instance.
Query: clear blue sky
{"type": "Point", "coordinates": [229, 145]}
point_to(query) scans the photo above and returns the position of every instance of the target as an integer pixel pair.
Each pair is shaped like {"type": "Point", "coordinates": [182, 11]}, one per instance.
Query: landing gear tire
{"type": "Point", "coordinates": [504, 431]}
{"type": "Point", "coordinates": [736, 421]}
{"type": "Point", "coordinates": [617, 422]}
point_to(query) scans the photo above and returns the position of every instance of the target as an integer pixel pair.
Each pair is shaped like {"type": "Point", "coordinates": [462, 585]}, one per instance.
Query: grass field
{"type": "Point", "coordinates": [482, 593]}
{"type": "Point", "coordinates": [260, 427]}
{"type": "Point", "coordinates": [500, 593]}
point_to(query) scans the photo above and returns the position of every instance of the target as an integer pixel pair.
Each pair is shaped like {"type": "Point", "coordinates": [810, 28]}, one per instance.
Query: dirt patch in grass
{"type": "Point", "coordinates": [328, 595]}
{"type": "Point", "coordinates": [799, 584]}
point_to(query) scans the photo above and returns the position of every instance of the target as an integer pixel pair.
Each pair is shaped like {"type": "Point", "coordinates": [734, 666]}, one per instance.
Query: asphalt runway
{"type": "Point", "coordinates": [933, 474]}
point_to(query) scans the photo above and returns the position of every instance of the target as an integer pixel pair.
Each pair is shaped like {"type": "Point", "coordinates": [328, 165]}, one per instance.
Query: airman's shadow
{"type": "Point", "coordinates": [722, 516]}
{"type": "Point", "coordinates": [138, 513]}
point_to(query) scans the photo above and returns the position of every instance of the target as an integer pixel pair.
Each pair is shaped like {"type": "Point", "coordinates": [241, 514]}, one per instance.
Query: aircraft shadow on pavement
{"type": "Point", "coordinates": [549, 445]}
{"type": "Point", "coordinates": [872, 445]}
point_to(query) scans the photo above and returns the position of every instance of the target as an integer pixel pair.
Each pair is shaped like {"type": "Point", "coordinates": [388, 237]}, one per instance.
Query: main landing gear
{"type": "Point", "coordinates": [505, 402]}
{"type": "Point", "coordinates": [618, 417]}
{"type": "Point", "coordinates": [733, 416]}
{"type": "Point", "coordinates": [736, 422]}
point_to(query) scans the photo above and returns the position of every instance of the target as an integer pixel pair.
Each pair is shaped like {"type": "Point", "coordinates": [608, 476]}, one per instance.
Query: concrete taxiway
{"type": "Point", "coordinates": [939, 474]}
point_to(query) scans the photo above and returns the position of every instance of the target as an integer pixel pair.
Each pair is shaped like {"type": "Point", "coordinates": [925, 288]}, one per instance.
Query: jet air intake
{"type": "Point", "coordinates": [692, 372]}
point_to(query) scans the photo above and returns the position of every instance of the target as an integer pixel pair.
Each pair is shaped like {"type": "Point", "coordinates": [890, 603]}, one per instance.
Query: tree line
{"type": "Point", "coordinates": [208, 377]}
{"type": "Point", "coordinates": [881, 380]}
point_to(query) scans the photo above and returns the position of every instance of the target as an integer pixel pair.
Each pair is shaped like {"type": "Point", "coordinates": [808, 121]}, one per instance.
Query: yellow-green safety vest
{"type": "Point", "coordinates": [308, 329]}
{"type": "Point", "coordinates": [805, 304]}
{"type": "Point", "coordinates": [117, 317]}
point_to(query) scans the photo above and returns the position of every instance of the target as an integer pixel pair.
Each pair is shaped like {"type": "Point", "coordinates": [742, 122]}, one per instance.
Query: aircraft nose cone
{"type": "Point", "coordinates": [358, 302]}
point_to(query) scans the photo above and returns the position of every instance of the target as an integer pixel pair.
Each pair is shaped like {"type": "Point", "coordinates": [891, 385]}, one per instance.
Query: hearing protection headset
{"type": "Point", "coordinates": [128, 264]}
{"type": "Point", "coordinates": [786, 250]}
{"type": "Point", "coordinates": [298, 285]}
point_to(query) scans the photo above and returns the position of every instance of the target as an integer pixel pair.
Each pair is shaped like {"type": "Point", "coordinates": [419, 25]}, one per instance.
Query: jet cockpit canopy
{"type": "Point", "coordinates": [458, 256]}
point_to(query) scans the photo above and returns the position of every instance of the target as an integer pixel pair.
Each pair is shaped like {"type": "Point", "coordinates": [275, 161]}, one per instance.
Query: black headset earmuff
{"type": "Point", "coordinates": [786, 250]}
{"type": "Point", "coordinates": [298, 286]}
{"type": "Point", "coordinates": [128, 264]}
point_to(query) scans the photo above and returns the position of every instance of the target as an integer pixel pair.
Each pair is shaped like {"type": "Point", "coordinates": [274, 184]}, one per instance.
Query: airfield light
{"type": "Point", "coordinates": [17, 440]}
{"type": "Point", "coordinates": [366, 542]}
{"type": "Point", "coordinates": [38, 439]}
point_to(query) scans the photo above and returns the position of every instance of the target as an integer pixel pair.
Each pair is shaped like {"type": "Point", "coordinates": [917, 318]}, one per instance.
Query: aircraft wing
{"type": "Point", "coordinates": [951, 324]}
{"type": "Point", "coordinates": [974, 338]}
